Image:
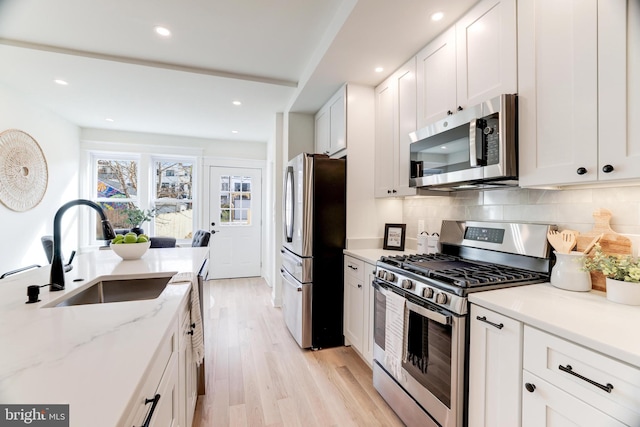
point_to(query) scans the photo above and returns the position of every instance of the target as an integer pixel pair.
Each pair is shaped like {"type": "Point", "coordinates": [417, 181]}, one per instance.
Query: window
{"type": "Point", "coordinates": [235, 200]}
{"type": "Point", "coordinates": [116, 190]}
{"type": "Point", "coordinates": [164, 185]}
{"type": "Point", "coordinates": [173, 198]}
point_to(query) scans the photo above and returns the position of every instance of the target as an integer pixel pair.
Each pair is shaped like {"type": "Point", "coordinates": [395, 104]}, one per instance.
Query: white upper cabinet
{"type": "Point", "coordinates": [436, 73]}
{"type": "Point", "coordinates": [577, 96]}
{"type": "Point", "coordinates": [330, 126]}
{"type": "Point", "coordinates": [395, 119]}
{"type": "Point", "coordinates": [471, 62]}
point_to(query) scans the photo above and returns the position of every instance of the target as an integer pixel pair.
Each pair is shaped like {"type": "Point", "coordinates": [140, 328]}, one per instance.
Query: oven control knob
{"type": "Point", "coordinates": [407, 284]}
{"type": "Point", "coordinates": [390, 277]}
{"type": "Point", "coordinates": [380, 274]}
{"type": "Point", "coordinates": [427, 293]}
{"type": "Point", "coordinates": [441, 298]}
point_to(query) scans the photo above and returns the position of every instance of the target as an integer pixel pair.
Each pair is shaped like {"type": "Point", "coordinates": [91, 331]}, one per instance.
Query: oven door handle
{"type": "Point", "coordinates": [429, 314]}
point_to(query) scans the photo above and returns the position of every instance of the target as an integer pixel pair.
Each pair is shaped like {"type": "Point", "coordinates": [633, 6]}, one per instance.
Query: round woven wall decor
{"type": "Point", "coordinates": [23, 171]}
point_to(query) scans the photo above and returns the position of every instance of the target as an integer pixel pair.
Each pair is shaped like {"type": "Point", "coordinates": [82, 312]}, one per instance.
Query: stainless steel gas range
{"type": "Point", "coordinates": [421, 326]}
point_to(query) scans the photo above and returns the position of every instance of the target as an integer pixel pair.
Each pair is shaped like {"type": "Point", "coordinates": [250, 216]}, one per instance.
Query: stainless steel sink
{"type": "Point", "coordinates": [117, 291]}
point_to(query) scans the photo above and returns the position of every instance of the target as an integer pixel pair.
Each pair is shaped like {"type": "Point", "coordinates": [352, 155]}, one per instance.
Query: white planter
{"type": "Point", "coordinates": [623, 292]}
{"type": "Point", "coordinates": [568, 274]}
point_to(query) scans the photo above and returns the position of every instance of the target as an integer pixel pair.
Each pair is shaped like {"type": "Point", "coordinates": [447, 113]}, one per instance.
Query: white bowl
{"type": "Point", "coordinates": [130, 250]}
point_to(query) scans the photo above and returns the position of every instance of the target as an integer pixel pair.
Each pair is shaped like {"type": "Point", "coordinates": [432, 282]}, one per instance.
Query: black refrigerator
{"type": "Point", "coordinates": [314, 220]}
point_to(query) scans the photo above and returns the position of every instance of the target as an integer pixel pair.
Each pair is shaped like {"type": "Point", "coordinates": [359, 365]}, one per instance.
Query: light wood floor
{"type": "Point", "coordinates": [258, 376]}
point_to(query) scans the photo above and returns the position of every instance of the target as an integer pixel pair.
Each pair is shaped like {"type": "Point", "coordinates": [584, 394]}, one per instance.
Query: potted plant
{"type": "Point", "coordinates": [136, 217]}
{"type": "Point", "coordinates": [622, 273]}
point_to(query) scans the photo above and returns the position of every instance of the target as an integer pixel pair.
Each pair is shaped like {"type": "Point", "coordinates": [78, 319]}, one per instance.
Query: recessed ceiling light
{"type": "Point", "coordinates": [237, 103]}
{"type": "Point", "coordinates": [379, 69]}
{"type": "Point", "coordinates": [162, 31]}
{"type": "Point", "coordinates": [109, 119]}
{"type": "Point", "coordinates": [234, 131]}
{"type": "Point", "coordinates": [61, 82]}
{"type": "Point", "coordinates": [437, 16]}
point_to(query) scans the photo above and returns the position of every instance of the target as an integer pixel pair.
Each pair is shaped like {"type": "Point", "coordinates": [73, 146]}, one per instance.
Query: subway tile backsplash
{"type": "Point", "coordinates": [571, 209]}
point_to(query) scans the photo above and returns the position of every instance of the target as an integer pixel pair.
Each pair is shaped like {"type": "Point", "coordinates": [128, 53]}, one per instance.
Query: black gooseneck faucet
{"type": "Point", "coordinates": [56, 279]}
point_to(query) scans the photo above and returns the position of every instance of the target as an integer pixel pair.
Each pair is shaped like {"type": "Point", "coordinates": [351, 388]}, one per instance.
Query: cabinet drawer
{"type": "Point", "coordinates": [354, 268]}
{"type": "Point", "coordinates": [585, 374]}
{"type": "Point", "coordinates": [547, 405]}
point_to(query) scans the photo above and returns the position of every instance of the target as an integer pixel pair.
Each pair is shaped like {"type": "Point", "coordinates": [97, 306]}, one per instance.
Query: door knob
{"type": "Point", "coordinates": [213, 231]}
{"type": "Point", "coordinates": [213, 223]}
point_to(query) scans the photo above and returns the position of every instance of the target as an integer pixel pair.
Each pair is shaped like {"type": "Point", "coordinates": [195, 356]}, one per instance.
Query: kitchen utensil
{"type": "Point", "coordinates": [592, 244]}
{"type": "Point", "coordinates": [561, 242]}
{"type": "Point", "coordinates": [610, 242]}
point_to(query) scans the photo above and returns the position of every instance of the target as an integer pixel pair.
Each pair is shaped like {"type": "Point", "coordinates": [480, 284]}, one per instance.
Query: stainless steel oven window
{"type": "Point", "coordinates": [429, 355]}
{"type": "Point", "coordinates": [379, 318]}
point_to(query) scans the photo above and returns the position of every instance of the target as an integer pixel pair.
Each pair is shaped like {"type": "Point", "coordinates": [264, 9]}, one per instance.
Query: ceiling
{"type": "Point", "coordinates": [271, 55]}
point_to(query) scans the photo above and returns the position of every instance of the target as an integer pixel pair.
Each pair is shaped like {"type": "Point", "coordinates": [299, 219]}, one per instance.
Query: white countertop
{"type": "Point", "coordinates": [92, 357]}
{"type": "Point", "coordinates": [586, 318]}
{"type": "Point", "coordinates": [371, 256]}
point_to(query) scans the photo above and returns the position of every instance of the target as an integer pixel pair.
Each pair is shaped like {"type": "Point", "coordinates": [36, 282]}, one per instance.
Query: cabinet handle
{"type": "Point", "coordinates": [607, 169]}
{"type": "Point", "coordinates": [530, 387]}
{"type": "Point", "coordinates": [193, 325]}
{"type": "Point", "coordinates": [359, 285]}
{"type": "Point", "coordinates": [353, 268]}
{"type": "Point", "coordinates": [459, 108]}
{"type": "Point", "coordinates": [449, 112]}
{"type": "Point", "coordinates": [190, 332]}
{"type": "Point", "coordinates": [154, 402]}
{"type": "Point", "coordinates": [394, 191]}
{"type": "Point", "coordinates": [568, 369]}
{"type": "Point", "coordinates": [495, 325]}
{"type": "Point", "coordinates": [581, 171]}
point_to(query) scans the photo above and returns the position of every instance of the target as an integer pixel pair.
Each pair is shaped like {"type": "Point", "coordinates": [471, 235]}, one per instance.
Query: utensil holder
{"type": "Point", "coordinates": [568, 272]}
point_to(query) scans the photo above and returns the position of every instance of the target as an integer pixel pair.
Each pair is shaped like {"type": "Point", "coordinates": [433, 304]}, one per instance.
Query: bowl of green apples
{"type": "Point", "coordinates": [130, 246]}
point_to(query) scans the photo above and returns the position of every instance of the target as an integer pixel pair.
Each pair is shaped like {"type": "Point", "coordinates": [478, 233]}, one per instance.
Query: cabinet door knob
{"type": "Point", "coordinates": [359, 285]}
{"type": "Point", "coordinates": [449, 112]}
{"type": "Point", "coordinates": [394, 191]}
{"type": "Point", "coordinates": [530, 387]}
{"type": "Point", "coordinates": [459, 108]}
{"type": "Point", "coordinates": [581, 171]}
{"type": "Point", "coordinates": [607, 169]}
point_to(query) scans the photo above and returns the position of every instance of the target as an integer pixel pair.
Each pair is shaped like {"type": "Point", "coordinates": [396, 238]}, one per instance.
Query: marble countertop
{"type": "Point", "coordinates": [92, 357]}
{"type": "Point", "coordinates": [586, 318]}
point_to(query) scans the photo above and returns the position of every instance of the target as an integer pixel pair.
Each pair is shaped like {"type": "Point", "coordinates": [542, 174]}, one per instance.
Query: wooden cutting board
{"type": "Point", "coordinates": [611, 243]}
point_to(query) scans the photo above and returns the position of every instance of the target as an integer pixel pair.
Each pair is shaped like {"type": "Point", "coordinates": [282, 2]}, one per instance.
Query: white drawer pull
{"type": "Point", "coordinates": [568, 369]}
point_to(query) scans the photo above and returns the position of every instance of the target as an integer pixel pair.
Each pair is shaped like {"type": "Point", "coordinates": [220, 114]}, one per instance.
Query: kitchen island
{"type": "Point", "coordinates": [93, 357]}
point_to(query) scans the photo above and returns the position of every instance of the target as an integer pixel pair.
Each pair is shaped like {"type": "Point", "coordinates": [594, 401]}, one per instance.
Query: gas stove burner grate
{"type": "Point", "coordinates": [484, 275]}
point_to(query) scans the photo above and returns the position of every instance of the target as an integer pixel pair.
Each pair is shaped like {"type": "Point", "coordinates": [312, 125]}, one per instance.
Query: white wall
{"type": "Point", "coordinates": [58, 139]}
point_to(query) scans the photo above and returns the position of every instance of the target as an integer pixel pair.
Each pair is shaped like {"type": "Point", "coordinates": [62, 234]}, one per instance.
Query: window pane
{"type": "Point", "coordinates": [116, 213]}
{"type": "Point", "coordinates": [117, 178]}
{"type": "Point", "coordinates": [174, 180]}
{"type": "Point", "coordinates": [173, 199]}
{"type": "Point", "coordinates": [235, 206]}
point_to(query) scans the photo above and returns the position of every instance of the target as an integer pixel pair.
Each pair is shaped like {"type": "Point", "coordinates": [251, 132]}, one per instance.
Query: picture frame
{"type": "Point", "coordinates": [394, 236]}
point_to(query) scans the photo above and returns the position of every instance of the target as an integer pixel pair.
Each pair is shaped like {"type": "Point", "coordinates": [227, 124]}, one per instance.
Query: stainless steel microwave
{"type": "Point", "coordinates": [474, 148]}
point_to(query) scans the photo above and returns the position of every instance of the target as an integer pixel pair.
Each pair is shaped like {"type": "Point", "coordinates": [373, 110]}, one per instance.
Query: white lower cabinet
{"type": "Point", "coordinates": [169, 393]}
{"type": "Point", "coordinates": [188, 371]}
{"type": "Point", "coordinates": [606, 391]}
{"type": "Point", "coordinates": [358, 307]}
{"type": "Point", "coordinates": [157, 402]}
{"type": "Point", "coordinates": [547, 405]}
{"type": "Point", "coordinates": [495, 367]}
